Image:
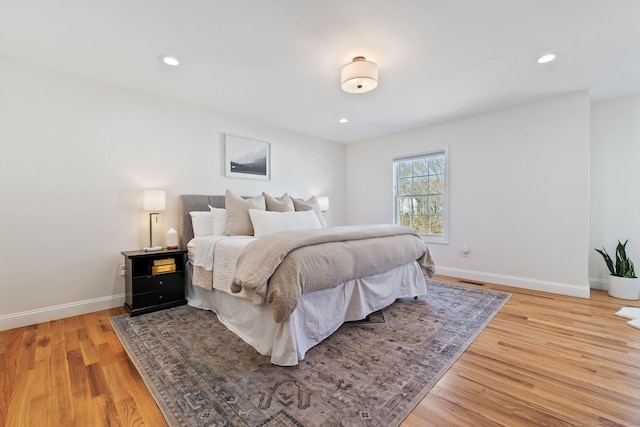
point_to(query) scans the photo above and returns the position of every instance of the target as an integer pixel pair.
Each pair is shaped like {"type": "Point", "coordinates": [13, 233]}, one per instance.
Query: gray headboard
{"type": "Point", "coordinates": [193, 202]}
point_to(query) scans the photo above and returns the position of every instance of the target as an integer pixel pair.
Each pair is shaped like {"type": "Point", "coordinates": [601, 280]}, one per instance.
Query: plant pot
{"type": "Point", "coordinates": [624, 287]}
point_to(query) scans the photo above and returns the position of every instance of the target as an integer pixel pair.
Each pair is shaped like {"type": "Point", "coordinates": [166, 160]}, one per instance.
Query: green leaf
{"type": "Point", "coordinates": [607, 260]}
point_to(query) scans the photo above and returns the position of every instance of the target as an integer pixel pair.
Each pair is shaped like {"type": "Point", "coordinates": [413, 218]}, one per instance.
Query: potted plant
{"type": "Point", "coordinates": [623, 282]}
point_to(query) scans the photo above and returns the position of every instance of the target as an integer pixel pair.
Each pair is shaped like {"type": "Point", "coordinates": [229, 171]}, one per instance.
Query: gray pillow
{"type": "Point", "coordinates": [310, 204]}
{"type": "Point", "coordinates": [238, 219]}
{"type": "Point", "coordinates": [282, 204]}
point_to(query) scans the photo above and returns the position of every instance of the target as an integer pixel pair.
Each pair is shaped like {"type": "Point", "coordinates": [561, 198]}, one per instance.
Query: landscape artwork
{"type": "Point", "coordinates": [246, 158]}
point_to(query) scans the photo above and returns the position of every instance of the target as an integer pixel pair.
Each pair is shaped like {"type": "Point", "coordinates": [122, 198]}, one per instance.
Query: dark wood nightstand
{"type": "Point", "coordinates": [154, 280]}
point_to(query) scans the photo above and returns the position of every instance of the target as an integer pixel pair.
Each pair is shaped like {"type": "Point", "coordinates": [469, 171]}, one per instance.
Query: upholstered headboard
{"type": "Point", "coordinates": [193, 202]}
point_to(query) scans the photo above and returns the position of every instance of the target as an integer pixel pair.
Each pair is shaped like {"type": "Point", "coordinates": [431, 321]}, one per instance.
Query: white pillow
{"type": "Point", "coordinates": [202, 223]}
{"type": "Point", "coordinates": [269, 222]}
{"type": "Point", "coordinates": [219, 220]}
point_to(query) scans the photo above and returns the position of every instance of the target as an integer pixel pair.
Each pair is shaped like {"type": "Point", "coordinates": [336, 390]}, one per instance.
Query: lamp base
{"type": "Point", "coordinates": [153, 249]}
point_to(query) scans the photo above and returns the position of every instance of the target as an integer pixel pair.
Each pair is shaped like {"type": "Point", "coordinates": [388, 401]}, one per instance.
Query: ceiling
{"type": "Point", "coordinates": [278, 62]}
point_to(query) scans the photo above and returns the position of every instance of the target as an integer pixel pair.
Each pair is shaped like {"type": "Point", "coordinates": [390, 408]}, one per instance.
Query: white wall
{"type": "Point", "coordinates": [615, 180]}
{"type": "Point", "coordinates": [75, 156]}
{"type": "Point", "coordinates": [519, 192]}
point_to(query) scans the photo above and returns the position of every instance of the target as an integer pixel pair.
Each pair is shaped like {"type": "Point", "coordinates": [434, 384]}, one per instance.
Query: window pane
{"type": "Point", "coordinates": [436, 184]}
{"type": "Point", "coordinates": [419, 223]}
{"type": "Point", "coordinates": [435, 225]}
{"type": "Point", "coordinates": [404, 186]}
{"type": "Point", "coordinates": [436, 165]}
{"type": "Point", "coordinates": [404, 168]}
{"type": "Point", "coordinates": [405, 220]}
{"type": "Point", "coordinates": [421, 205]}
{"type": "Point", "coordinates": [420, 167]}
{"type": "Point", "coordinates": [405, 205]}
{"type": "Point", "coordinates": [436, 206]}
{"type": "Point", "coordinates": [420, 185]}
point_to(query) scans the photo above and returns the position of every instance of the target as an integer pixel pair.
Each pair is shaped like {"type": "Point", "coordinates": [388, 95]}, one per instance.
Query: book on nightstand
{"type": "Point", "coordinates": [160, 269]}
{"type": "Point", "coordinates": [163, 266]}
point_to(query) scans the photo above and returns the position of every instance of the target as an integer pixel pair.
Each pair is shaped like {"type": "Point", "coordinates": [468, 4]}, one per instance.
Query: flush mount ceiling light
{"type": "Point", "coordinates": [344, 120]}
{"type": "Point", "coordinates": [359, 76]}
{"type": "Point", "coordinates": [170, 60]}
{"type": "Point", "coordinates": [547, 57]}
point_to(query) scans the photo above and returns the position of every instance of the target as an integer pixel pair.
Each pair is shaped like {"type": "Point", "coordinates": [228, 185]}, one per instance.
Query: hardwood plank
{"type": "Point", "coordinates": [98, 385]}
{"type": "Point", "coordinates": [43, 342]}
{"type": "Point", "coordinates": [133, 400]}
{"type": "Point", "coordinates": [40, 395]}
{"type": "Point", "coordinates": [543, 360]}
{"type": "Point", "coordinates": [26, 361]}
{"type": "Point", "coordinates": [62, 400]}
{"type": "Point", "coordinates": [18, 412]}
{"type": "Point", "coordinates": [9, 351]}
{"type": "Point", "coordinates": [129, 415]}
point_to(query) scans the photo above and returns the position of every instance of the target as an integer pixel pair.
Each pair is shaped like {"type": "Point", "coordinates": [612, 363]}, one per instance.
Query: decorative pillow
{"type": "Point", "coordinates": [202, 223]}
{"type": "Point", "coordinates": [237, 210]}
{"type": "Point", "coordinates": [219, 220]}
{"type": "Point", "coordinates": [307, 205]}
{"type": "Point", "coordinates": [269, 222]}
{"type": "Point", "coordinates": [282, 204]}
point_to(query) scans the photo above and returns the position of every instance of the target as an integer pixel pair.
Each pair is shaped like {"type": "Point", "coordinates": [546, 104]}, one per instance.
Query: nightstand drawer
{"type": "Point", "coordinates": [160, 297]}
{"type": "Point", "coordinates": [157, 283]}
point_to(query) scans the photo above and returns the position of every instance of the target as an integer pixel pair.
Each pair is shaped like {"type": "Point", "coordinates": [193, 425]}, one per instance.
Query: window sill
{"type": "Point", "coordinates": [435, 240]}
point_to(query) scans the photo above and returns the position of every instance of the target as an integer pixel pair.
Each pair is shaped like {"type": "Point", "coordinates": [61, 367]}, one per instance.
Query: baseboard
{"type": "Point", "coordinates": [517, 282]}
{"type": "Point", "coordinates": [47, 314]}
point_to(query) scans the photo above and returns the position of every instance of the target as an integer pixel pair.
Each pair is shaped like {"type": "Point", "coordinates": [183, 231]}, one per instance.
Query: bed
{"type": "Point", "coordinates": [218, 281]}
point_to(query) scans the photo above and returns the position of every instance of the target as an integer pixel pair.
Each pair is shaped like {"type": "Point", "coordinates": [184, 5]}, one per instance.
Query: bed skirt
{"type": "Point", "coordinates": [317, 316]}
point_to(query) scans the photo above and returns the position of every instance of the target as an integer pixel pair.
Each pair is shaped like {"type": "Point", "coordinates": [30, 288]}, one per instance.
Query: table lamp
{"type": "Point", "coordinates": [323, 202]}
{"type": "Point", "coordinates": [154, 201]}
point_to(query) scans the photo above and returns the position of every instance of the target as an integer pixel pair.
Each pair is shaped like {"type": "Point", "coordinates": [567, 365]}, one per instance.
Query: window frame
{"type": "Point", "coordinates": [429, 238]}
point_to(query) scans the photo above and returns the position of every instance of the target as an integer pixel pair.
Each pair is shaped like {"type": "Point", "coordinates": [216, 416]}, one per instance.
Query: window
{"type": "Point", "coordinates": [421, 200]}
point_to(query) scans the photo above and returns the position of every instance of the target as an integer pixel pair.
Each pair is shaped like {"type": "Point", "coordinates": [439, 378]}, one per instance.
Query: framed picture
{"type": "Point", "coordinates": [247, 158]}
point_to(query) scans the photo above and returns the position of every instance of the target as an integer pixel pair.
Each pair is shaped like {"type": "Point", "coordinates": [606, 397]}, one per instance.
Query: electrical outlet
{"type": "Point", "coordinates": [464, 251]}
{"type": "Point", "coordinates": [123, 270]}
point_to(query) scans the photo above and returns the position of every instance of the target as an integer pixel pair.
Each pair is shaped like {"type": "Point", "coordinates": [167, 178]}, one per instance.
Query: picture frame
{"type": "Point", "coordinates": [247, 158]}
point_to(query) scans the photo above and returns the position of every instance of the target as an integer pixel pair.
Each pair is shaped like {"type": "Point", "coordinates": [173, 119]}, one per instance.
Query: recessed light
{"type": "Point", "coordinates": [170, 60]}
{"type": "Point", "coordinates": [343, 120]}
{"type": "Point", "coordinates": [547, 57]}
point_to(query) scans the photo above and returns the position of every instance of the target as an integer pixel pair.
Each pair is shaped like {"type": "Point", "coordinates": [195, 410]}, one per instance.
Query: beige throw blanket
{"type": "Point", "coordinates": [283, 266]}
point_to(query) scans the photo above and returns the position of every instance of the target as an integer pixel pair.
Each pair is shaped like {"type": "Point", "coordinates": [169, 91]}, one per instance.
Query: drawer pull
{"type": "Point", "coordinates": [160, 282]}
{"type": "Point", "coordinates": [160, 296]}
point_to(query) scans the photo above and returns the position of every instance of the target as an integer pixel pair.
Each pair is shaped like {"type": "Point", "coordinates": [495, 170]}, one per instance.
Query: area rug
{"type": "Point", "coordinates": [368, 373]}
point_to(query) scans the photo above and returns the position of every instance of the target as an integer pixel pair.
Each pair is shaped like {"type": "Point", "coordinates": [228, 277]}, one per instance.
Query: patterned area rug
{"type": "Point", "coordinates": [368, 373]}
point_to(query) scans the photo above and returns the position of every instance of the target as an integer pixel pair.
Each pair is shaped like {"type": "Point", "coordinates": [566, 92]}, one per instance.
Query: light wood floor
{"type": "Point", "coordinates": [544, 360]}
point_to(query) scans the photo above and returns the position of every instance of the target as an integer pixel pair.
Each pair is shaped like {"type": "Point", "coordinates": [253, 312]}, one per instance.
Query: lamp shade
{"type": "Point", "coordinates": [359, 76]}
{"type": "Point", "coordinates": [153, 200]}
{"type": "Point", "coordinates": [323, 202]}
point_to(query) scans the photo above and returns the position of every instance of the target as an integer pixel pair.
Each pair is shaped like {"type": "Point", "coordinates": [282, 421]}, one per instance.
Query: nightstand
{"type": "Point", "coordinates": [154, 280]}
